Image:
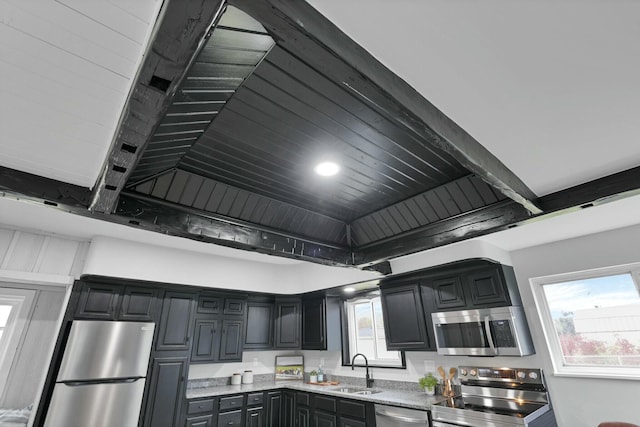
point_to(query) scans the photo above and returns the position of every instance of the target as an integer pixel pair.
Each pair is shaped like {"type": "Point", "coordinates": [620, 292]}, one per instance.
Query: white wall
{"type": "Point", "coordinates": [121, 258]}
{"type": "Point", "coordinates": [579, 401]}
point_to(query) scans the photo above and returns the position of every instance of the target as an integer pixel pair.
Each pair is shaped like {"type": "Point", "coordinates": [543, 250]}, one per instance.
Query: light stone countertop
{"type": "Point", "coordinates": [403, 398]}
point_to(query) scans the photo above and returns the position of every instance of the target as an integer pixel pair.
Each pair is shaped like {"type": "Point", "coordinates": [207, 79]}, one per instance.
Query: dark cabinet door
{"type": "Point", "coordinates": [259, 330]}
{"type": "Point", "coordinates": [203, 421]}
{"type": "Point", "coordinates": [486, 288]}
{"type": "Point", "coordinates": [274, 409]}
{"type": "Point", "coordinates": [404, 318]}
{"type": "Point", "coordinates": [231, 340]}
{"type": "Point", "coordinates": [234, 306]}
{"type": "Point", "coordinates": [209, 303]}
{"type": "Point", "coordinates": [206, 340]}
{"type": "Point", "coordinates": [314, 324]}
{"type": "Point", "coordinates": [166, 391]}
{"type": "Point", "coordinates": [324, 419]}
{"type": "Point", "coordinates": [175, 321]}
{"type": "Point", "coordinates": [287, 323]}
{"type": "Point", "coordinates": [288, 409]}
{"type": "Point", "coordinates": [138, 304]}
{"type": "Point", "coordinates": [99, 301]}
{"type": "Point", "coordinates": [448, 293]}
{"type": "Point", "coordinates": [303, 417]}
{"type": "Point", "coordinates": [255, 417]}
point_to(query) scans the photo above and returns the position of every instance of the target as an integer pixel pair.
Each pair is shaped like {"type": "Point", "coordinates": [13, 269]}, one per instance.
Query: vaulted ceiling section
{"type": "Point", "coordinates": [236, 103]}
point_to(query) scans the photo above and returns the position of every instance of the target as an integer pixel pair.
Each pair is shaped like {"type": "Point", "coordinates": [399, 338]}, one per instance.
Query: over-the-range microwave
{"type": "Point", "coordinates": [499, 331]}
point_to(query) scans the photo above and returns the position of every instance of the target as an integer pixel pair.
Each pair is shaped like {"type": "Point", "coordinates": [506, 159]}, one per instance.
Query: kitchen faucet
{"type": "Point", "coordinates": [366, 364]}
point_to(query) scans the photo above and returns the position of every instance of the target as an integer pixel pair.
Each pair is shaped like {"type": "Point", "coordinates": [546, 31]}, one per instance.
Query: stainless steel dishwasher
{"type": "Point", "coordinates": [392, 416]}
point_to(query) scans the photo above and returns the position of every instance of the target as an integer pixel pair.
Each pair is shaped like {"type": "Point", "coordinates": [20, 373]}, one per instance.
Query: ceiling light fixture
{"type": "Point", "coordinates": [327, 169]}
{"type": "Point", "coordinates": [349, 289]}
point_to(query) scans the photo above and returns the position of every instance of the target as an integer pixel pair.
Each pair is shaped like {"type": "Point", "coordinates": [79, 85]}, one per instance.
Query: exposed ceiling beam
{"type": "Point", "coordinates": [179, 34]}
{"type": "Point", "coordinates": [299, 28]}
{"type": "Point", "coordinates": [48, 191]}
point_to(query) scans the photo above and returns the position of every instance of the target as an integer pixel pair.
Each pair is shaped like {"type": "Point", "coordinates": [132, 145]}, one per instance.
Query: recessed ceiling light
{"type": "Point", "coordinates": [327, 169]}
{"type": "Point", "coordinates": [349, 289]}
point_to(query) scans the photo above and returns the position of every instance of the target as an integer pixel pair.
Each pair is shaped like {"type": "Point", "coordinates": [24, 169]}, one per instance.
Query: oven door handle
{"type": "Point", "coordinates": [487, 327]}
{"type": "Point", "coordinates": [404, 419]}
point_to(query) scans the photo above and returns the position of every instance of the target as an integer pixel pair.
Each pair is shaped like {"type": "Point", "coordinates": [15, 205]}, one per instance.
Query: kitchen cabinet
{"type": "Point", "coordinates": [274, 409]}
{"type": "Point", "coordinates": [404, 316]}
{"type": "Point", "coordinates": [230, 410]}
{"type": "Point", "coordinates": [477, 285]}
{"type": "Point", "coordinates": [302, 409]}
{"type": "Point", "coordinates": [105, 301]}
{"type": "Point", "coordinates": [288, 408]}
{"type": "Point", "coordinates": [287, 326]}
{"type": "Point", "coordinates": [200, 413]}
{"type": "Point", "coordinates": [260, 324]}
{"type": "Point", "coordinates": [218, 328]}
{"type": "Point", "coordinates": [166, 391]}
{"type": "Point", "coordinates": [321, 323]}
{"type": "Point", "coordinates": [175, 321]}
{"type": "Point", "coordinates": [255, 413]}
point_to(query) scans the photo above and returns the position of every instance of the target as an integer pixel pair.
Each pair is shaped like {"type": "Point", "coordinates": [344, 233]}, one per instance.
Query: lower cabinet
{"type": "Point", "coordinates": [164, 403]}
{"type": "Point", "coordinates": [274, 409]}
{"type": "Point", "coordinates": [278, 408]}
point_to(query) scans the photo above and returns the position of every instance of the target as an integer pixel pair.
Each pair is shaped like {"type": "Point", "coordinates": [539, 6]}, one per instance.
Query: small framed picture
{"type": "Point", "coordinates": [289, 367]}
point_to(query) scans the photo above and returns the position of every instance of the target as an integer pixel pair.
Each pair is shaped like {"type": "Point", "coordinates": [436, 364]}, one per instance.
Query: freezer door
{"type": "Point", "coordinates": [105, 350]}
{"type": "Point", "coordinates": [96, 405]}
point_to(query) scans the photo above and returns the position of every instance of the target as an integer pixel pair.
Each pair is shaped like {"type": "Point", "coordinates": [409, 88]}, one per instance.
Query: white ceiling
{"type": "Point", "coordinates": [66, 69]}
{"type": "Point", "coordinates": [550, 87]}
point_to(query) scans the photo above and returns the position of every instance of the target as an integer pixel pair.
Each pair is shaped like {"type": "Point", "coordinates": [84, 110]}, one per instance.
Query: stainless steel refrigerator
{"type": "Point", "coordinates": [102, 375]}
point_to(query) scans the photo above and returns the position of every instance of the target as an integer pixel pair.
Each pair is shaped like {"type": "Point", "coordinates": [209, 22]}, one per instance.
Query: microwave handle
{"type": "Point", "coordinates": [487, 326]}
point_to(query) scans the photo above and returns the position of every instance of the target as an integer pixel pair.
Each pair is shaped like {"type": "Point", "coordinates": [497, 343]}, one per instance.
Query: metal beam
{"type": "Point", "coordinates": [299, 28]}
{"type": "Point", "coordinates": [49, 191]}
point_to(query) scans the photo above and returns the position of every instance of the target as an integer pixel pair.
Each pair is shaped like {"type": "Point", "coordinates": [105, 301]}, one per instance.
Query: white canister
{"type": "Point", "coordinates": [247, 377]}
{"type": "Point", "coordinates": [236, 379]}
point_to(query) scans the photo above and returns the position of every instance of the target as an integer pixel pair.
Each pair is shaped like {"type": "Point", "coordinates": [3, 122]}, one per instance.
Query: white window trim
{"type": "Point", "coordinates": [551, 337]}
{"type": "Point", "coordinates": [381, 363]}
{"type": "Point", "coordinates": [22, 301]}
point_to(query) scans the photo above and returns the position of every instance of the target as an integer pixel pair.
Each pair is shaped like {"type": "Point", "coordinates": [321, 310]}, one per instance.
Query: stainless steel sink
{"type": "Point", "coordinates": [357, 390]}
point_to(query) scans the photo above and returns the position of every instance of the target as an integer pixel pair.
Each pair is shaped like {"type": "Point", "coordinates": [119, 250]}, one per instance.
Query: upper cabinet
{"type": "Point", "coordinates": [405, 323]}
{"type": "Point", "coordinates": [481, 284]}
{"type": "Point", "coordinates": [409, 300]}
{"type": "Point", "coordinates": [260, 324]}
{"type": "Point", "coordinates": [110, 301]}
{"type": "Point", "coordinates": [219, 328]}
{"type": "Point", "coordinates": [321, 323]}
{"type": "Point", "coordinates": [288, 320]}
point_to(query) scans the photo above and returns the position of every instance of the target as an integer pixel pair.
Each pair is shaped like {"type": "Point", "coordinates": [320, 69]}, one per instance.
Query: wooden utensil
{"type": "Point", "coordinates": [452, 374]}
{"type": "Point", "coordinates": [442, 373]}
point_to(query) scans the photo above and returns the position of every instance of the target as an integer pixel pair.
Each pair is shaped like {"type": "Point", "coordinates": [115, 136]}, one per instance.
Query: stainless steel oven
{"type": "Point", "coordinates": [497, 397]}
{"type": "Point", "coordinates": [500, 331]}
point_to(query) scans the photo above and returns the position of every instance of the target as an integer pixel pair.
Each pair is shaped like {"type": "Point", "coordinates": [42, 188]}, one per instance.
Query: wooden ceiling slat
{"type": "Point", "coordinates": [191, 190]}
{"type": "Point", "coordinates": [483, 189]}
{"type": "Point", "coordinates": [416, 212]}
{"type": "Point", "coordinates": [216, 197]}
{"type": "Point", "coordinates": [447, 201]}
{"type": "Point", "coordinates": [379, 127]}
{"type": "Point", "coordinates": [177, 186]}
{"type": "Point", "coordinates": [231, 39]}
{"type": "Point", "coordinates": [227, 201]}
{"type": "Point", "coordinates": [202, 199]}
{"type": "Point", "coordinates": [162, 184]}
{"type": "Point", "coordinates": [238, 204]}
{"type": "Point", "coordinates": [223, 55]}
{"type": "Point", "coordinates": [456, 193]}
{"type": "Point", "coordinates": [470, 192]}
{"type": "Point", "coordinates": [390, 221]}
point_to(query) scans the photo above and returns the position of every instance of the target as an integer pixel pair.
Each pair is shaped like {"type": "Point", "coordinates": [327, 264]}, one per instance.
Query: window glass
{"type": "Point", "coordinates": [593, 324]}
{"type": "Point", "coordinates": [366, 333]}
{"type": "Point", "coordinates": [5, 311]}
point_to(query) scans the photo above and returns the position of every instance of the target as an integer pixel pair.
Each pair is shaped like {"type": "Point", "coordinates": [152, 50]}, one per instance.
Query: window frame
{"type": "Point", "coordinates": [551, 335]}
{"type": "Point", "coordinates": [346, 334]}
{"type": "Point", "coordinates": [22, 301]}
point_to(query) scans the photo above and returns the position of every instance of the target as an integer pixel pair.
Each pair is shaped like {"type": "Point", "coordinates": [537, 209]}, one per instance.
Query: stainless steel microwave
{"type": "Point", "coordinates": [499, 331]}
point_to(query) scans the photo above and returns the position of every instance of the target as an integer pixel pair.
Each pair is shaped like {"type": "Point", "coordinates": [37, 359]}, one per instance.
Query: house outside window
{"type": "Point", "coordinates": [591, 321]}
{"type": "Point", "coordinates": [366, 333]}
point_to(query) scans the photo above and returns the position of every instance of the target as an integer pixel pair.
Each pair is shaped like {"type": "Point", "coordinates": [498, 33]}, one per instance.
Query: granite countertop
{"type": "Point", "coordinates": [404, 398]}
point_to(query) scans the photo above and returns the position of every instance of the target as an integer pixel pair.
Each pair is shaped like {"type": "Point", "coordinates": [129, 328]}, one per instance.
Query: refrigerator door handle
{"type": "Point", "coordinates": [105, 381]}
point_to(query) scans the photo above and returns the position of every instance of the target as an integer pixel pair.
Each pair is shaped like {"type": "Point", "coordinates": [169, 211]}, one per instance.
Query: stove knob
{"type": "Point", "coordinates": [521, 375]}
{"type": "Point", "coordinates": [473, 372]}
{"type": "Point", "coordinates": [533, 375]}
{"type": "Point", "coordinates": [463, 372]}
